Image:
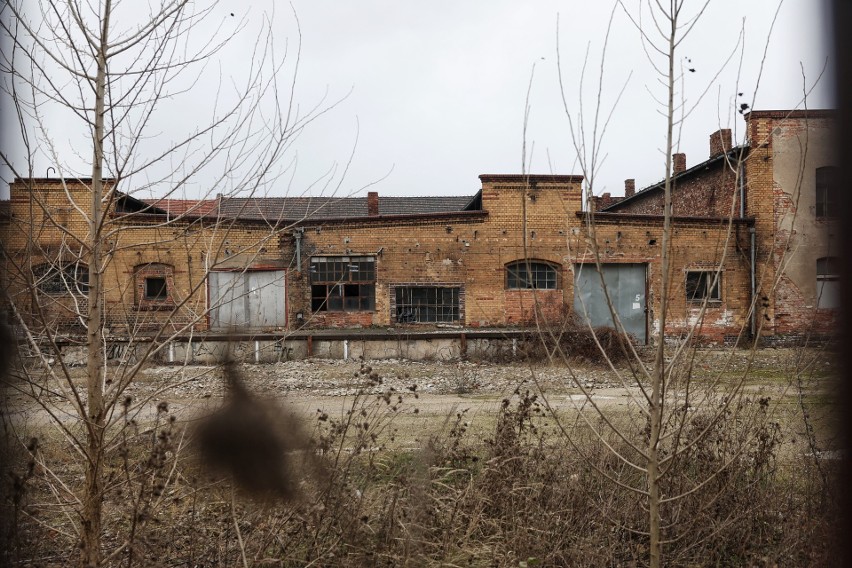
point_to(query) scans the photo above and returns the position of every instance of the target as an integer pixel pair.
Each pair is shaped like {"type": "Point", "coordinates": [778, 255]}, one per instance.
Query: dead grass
{"type": "Point", "coordinates": [464, 486]}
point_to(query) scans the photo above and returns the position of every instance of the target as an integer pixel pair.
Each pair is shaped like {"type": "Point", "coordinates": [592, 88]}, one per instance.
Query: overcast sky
{"type": "Point", "coordinates": [437, 90]}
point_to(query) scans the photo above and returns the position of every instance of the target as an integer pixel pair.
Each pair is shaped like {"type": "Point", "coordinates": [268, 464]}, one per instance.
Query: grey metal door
{"type": "Point", "coordinates": [266, 299]}
{"type": "Point", "coordinates": [626, 286]}
{"type": "Point", "coordinates": [247, 300]}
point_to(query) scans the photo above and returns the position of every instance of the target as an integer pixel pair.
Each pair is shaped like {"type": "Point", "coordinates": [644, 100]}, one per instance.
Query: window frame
{"type": "Point", "coordinates": [517, 274]}
{"type": "Point", "coordinates": [343, 284]}
{"type": "Point", "coordinates": [162, 294]}
{"type": "Point", "coordinates": [827, 271]}
{"type": "Point", "coordinates": [142, 274]}
{"type": "Point", "coordinates": [435, 303]}
{"type": "Point", "coordinates": [826, 192]}
{"type": "Point", "coordinates": [706, 276]}
{"type": "Point", "coordinates": [58, 280]}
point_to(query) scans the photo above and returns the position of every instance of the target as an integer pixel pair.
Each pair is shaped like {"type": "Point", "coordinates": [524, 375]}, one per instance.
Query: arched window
{"type": "Point", "coordinates": [826, 192]}
{"type": "Point", "coordinates": [828, 282]}
{"type": "Point", "coordinates": [59, 279]}
{"type": "Point", "coordinates": [525, 274]}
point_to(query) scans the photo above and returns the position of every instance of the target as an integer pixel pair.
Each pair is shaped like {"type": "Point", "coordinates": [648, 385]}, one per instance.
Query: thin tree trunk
{"type": "Point", "coordinates": [93, 496]}
{"type": "Point", "coordinates": [659, 375]}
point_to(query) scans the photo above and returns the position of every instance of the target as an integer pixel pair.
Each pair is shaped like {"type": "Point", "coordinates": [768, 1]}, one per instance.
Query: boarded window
{"type": "Point", "coordinates": [58, 279]}
{"type": "Point", "coordinates": [343, 283]}
{"type": "Point", "coordinates": [427, 304]}
{"type": "Point", "coordinates": [828, 282]}
{"type": "Point", "coordinates": [703, 285]}
{"type": "Point", "coordinates": [530, 274]}
{"type": "Point", "coordinates": [826, 192]}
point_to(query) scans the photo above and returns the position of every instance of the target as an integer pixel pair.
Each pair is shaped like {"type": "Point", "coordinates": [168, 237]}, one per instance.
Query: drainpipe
{"type": "Point", "coordinates": [297, 235]}
{"type": "Point", "coordinates": [345, 349]}
{"type": "Point", "coordinates": [753, 235]}
{"type": "Point", "coordinates": [741, 177]}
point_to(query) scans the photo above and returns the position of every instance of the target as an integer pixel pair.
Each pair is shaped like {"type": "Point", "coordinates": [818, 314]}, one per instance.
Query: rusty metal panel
{"type": "Point", "coordinates": [247, 300]}
{"type": "Point", "coordinates": [626, 286]}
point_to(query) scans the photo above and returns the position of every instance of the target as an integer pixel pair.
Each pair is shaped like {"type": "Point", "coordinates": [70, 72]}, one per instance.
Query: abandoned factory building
{"type": "Point", "coordinates": [753, 251]}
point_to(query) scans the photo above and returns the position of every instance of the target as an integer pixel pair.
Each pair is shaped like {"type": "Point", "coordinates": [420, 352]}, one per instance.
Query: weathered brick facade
{"type": "Point", "coordinates": [156, 263]}
{"type": "Point", "coordinates": [786, 149]}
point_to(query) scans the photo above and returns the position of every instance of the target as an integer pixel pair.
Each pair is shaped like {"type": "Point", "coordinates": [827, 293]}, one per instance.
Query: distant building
{"type": "Point", "coordinates": [520, 250]}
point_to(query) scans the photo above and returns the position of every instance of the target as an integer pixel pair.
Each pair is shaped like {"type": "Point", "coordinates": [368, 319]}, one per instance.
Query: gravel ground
{"type": "Point", "coordinates": [317, 382]}
{"type": "Point", "coordinates": [344, 378]}
{"type": "Point", "coordinates": [325, 377]}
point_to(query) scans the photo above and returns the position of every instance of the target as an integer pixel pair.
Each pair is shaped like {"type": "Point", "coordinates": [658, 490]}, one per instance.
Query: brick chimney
{"type": "Point", "coordinates": [372, 203]}
{"type": "Point", "coordinates": [720, 142]}
{"type": "Point", "coordinates": [629, 187]}
{"type": "Point", "coordinates": [678, 163]}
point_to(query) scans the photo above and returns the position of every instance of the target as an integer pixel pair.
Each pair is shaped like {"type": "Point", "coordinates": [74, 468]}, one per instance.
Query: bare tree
{"type": "Point", "coordinates": [676, 414]}
{"type": "Point", "coordinates": [112, 72]}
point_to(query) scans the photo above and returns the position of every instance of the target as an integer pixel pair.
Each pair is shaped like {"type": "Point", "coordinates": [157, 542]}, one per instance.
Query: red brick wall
{"type": "Point", "coordinates": [708, 193]}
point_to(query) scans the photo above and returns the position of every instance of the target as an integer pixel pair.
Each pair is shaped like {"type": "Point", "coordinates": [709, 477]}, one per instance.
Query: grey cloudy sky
{"type": "Point", "coordinates": [438, 89]}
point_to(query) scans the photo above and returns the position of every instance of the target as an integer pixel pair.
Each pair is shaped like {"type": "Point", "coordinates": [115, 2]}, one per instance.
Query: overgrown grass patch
{"type": "Point", "coordinates": [502, 482]}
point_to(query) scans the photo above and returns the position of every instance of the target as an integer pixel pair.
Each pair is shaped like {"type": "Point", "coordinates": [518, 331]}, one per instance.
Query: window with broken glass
{"type": "Point", "coordinates": [343, 283]}
{"type": "Point", "coordinates": [529, 274]}
{"type": "Point", "coordinates": [55, 279]}
{"type": "Point", "coordinates": [156, 288]}
{"type": "Point", "coordinates": [703, 285]}
{"type": "Point", "coordinates": [427, 304]}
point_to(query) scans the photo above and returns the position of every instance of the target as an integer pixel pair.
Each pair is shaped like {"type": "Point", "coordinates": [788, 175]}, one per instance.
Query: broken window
{"type": "Point", "coordinates": [828, 282]}
{"type": "Point", "coordinates": [343, 283]}
{"type": "Point", "coordinates": [155, 288]}
{"type": "Point", "coordinates": [529, 274]}
{"type": "Point", "coordinates": [826, 192]}
{"type": "Point", "coordinates": [703, 285]}
{"type": "Point", "coordinates": [427, 304]}
{"type": "Point", "coordinates": [57, 279]}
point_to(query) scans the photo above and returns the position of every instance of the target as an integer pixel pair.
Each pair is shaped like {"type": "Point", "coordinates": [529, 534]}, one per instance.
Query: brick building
{"type": "Point", "coordinates": [752, 252]}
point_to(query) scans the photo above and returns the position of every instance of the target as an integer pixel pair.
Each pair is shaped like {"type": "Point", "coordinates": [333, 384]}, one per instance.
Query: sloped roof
{"type": "Point", "coordinates": [734, 154]}
{"type": "Point", "coordinates": [184, 206]}
{"type": "Point", "coordinates": [296, 208]}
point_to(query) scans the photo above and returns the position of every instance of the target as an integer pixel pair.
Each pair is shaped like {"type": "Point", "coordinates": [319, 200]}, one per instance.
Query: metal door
{"type": "Point", "coordinates": [626, 286]}
{"type": "Point", "coordinates": [266, 299]}
{"type": "Point", "coordinates": [247, 300]}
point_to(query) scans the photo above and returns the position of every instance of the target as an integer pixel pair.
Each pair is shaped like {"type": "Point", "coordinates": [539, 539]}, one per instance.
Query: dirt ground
{"type": "Point", "coordinates": [435, 392]}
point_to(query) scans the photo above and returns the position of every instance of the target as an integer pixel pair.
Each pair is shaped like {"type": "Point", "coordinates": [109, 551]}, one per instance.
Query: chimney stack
{"type": "Point", "coordinates": [679, 163]}
{"type": "Point", "coordinates": [372, 203]}
{"type": "Point", "coordinates": [629, 187]}
{"type": "Point", "coordinates": [720, 142]}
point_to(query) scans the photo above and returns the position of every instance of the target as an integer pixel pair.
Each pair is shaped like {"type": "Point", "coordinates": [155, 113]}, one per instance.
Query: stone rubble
{"type": "Point", "coordinates": [334, 377]}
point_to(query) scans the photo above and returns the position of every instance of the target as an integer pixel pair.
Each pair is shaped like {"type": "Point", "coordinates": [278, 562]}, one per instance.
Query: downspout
{"type": "Point", "coordinates": [753, 235]}
{"type": "Point", "coordinates": [752, 252]}
{"type": "Point", "coordinates": [297, 236]}
{"type": "Point", "coordinates": [742, 189]}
